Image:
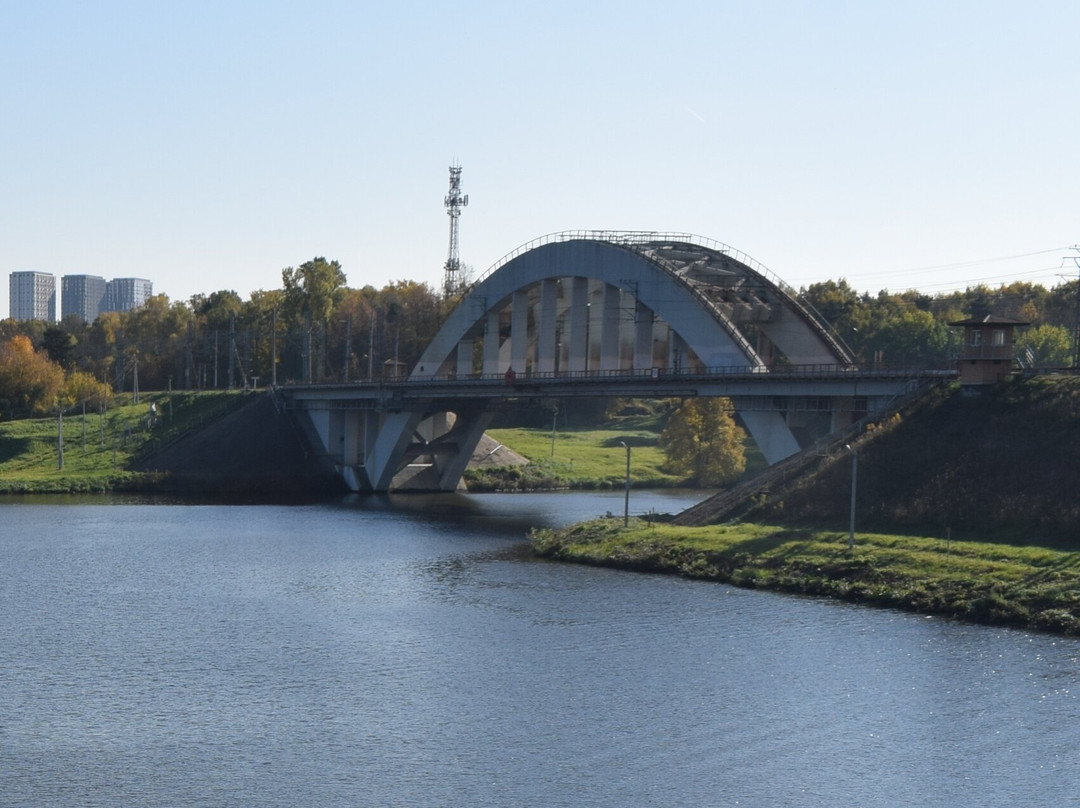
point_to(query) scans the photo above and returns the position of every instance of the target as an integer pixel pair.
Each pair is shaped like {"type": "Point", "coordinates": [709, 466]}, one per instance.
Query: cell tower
{"type": "Point", "coordinates": [455, 201]}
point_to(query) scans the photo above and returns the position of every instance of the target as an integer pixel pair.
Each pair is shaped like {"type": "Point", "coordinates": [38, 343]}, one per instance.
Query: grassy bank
{"type": "Point", "coordinates": [582, 458]}
{"type": "Point", "coordinates": [1029, 587]}
{"type": "Point", "coordinates": [98, 446]}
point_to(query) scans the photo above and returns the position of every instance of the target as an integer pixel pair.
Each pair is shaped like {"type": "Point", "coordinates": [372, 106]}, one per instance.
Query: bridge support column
{"type": "Point", "coordinates": [545, 337]}
{"type": "Point", "coordinates": [771, 433]}
{"type": "Point", "coordinates": [677, 351]}
{"type": "Point", "coordinates": [464, 358]}
{"type": "Point", "coordinates": [466, 435]}
{"type": "Point", "coordinates": [519, 330]}
{"type": "Point", "coordinates": [610, 333]}
{"type": "Point", "coordinates": [577, 358]}
{"type": "Point", "coordinates": [351, 438]}
{"type": "Point", "coordinates": [643, 336]}
{"type": "Point", "coordinates": [491, 344]}
{"type": "Point", "coordinates": [384, 454]}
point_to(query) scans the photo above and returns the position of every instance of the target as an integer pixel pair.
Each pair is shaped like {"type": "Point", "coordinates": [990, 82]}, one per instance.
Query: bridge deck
{"type": "Point", "coordinates": [813, 380]}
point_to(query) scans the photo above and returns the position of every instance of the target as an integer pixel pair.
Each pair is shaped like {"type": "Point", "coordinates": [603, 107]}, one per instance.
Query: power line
{"type": "Point", "coordinates": [961, 264]}
{"type": "Point", "coordinates": [960, 284]}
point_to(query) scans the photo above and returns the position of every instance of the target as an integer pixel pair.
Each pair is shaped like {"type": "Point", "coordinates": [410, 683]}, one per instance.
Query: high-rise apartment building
{"type": "Point", "coordinates": [83, 295]}
{"type": "Point", "coordinates": [32, 296]}
{"type": "Point", "coordinates": [125, 294]}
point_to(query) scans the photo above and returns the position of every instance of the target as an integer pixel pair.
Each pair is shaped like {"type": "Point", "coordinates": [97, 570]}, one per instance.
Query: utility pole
{"type": "Point", "coordinates": [189, 361]}
{"type": "Point", "coordinates": [232, 348]}
{"type": "Point", "coordinates": [308, 379]}
{"type": "Point", "coordinates": [626, 502]}
{"type": "Point", "coordinates": [348, 349]}
{"type": "Point", "coordinates": [273, 347]}
{"type": "Point", "coordinates": [59, 439]}
{"type": "Point", "coordinates": [854, 481]}
{"type": "Point", "coordinates": [371, 345]}
{"type": "Point", "coordinates": [554, 422]}
{"type": "Point", "coordinates": [1076, 326]}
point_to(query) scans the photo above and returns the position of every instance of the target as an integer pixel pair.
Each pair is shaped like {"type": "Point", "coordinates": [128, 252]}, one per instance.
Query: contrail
{"type": "Point", "coordinates": [696, 115]}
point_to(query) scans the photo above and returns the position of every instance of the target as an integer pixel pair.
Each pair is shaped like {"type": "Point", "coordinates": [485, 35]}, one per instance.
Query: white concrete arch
{"type": "Point", "coordinates": [544, 303]}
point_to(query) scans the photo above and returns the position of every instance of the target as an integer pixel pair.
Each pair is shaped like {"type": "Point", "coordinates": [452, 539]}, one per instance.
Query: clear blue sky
{"type": "Point", "coordinates": [208, 145]}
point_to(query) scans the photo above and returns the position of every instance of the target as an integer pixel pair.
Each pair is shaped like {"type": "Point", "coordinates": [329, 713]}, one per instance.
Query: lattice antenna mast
{"type": "Point", "coordinates": [455, 201]}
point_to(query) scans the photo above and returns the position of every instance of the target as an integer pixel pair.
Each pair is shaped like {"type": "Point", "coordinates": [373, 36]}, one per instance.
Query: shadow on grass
{"type": "Point", "coordinates": [652, 422]}
{"type": "Point", "coordinates": [629, 440]}
{"type": "Point", "coordinates": [10, 448]}
{"type": "Point", "coordinates": [781, 544]}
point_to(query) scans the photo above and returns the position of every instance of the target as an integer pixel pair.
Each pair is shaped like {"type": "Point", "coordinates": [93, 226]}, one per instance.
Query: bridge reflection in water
{"type": "Point", "coordinates": [600, 314]}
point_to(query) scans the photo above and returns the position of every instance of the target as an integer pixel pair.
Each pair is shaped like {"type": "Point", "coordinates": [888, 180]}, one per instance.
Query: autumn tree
{"type": "Point", "coordinates": [702, 440]}
{"type": "Point", "coordinates": [84, 388]}
{"type": "Point", "coordinates": [29, 380]}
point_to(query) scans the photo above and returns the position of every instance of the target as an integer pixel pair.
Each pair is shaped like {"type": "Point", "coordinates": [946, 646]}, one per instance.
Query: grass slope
{"type": "Point", "coordinates": [98, 446]}
{"type": "Point", "coordinates": [1001, 464]}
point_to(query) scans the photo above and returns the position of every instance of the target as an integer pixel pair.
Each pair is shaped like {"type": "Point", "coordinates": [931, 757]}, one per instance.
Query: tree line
{"type": "Point", "coordinates": [315, 328]}
{"type": "Point", "coordinates": [912, 328]}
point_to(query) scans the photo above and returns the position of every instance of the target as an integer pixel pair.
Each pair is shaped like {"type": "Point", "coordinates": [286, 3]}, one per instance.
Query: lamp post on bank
{"type": "Point", "coordinates": [626, 503]}
{"type": "Point", "coordinates": [854, 481]}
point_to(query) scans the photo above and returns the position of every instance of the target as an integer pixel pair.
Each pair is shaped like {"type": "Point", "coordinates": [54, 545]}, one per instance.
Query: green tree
{"type": "Point", "coordinates": [702, 440]}
{"type": "Point", "coordinates": [312, 291]}
{"type": "Point", "coordinates": [912, 337]}
{"type": "Point", "coordinates": [218, 309]}
{"type": "Point", "coordinates": [60, 346]}
{"type": "Point", "coordinates": [156, 334]}
{"type": "Point", "coordinates": [836, 301]}
{"type": "Point", "coordinates": [260, 320]}
{"type": "Point", "coordinates": [1051, 345]}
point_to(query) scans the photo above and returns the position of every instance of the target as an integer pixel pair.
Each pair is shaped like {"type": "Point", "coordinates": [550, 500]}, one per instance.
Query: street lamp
{"type": "Point", "coordinates": [626, 503]}
{"type": "Point", "coordinates": [854, 481]}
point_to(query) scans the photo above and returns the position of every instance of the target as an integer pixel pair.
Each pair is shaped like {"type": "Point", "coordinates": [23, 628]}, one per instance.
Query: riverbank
{"type": "Point", "coordinates": [994, 584]}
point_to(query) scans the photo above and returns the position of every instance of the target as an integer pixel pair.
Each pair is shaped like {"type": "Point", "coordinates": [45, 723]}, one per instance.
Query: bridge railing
{"type": "Point", "coordinates": [726, 372]}
{"type": "Point", "coordinates": [636, 238]}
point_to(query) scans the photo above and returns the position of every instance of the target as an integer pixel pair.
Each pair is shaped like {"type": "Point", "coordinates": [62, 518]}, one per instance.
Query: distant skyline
{"type": "Point", "coordinates": [207, 146]}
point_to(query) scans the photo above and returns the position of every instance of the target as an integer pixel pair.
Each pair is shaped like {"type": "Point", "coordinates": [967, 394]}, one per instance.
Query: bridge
{"type": "Point", "coordinates": [598, 313]}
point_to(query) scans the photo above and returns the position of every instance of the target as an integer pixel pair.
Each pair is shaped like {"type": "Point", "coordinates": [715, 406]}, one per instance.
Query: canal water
{"type": "Point", "coordinates": [410, 652]}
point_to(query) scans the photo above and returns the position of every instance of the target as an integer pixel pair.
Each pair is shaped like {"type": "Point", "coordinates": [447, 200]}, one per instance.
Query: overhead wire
{"type": "Point", "coordinates": [974, 262]}
{"type": "Point", "coordinates": [961, 283]}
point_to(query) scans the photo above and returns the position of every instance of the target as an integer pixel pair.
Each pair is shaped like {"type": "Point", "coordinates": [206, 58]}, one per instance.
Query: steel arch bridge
{"type": "Point", "coordinates": [598, 313]}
